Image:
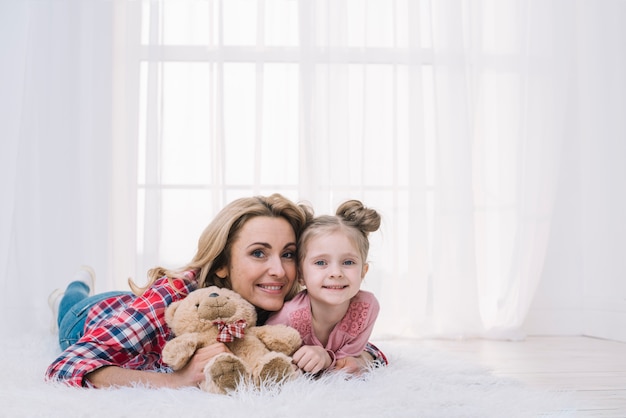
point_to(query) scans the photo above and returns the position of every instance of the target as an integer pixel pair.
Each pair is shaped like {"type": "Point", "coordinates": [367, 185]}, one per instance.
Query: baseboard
{"type": "Point", "coordinates": [609, 325]}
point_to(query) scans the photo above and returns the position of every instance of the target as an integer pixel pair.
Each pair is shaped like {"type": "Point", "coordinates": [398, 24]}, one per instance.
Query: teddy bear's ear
{"type": "Point", "coordinates": [169, 312]}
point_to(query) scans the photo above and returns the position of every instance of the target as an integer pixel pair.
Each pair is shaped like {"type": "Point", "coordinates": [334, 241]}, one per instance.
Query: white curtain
{"type": "Point", "coordinates": [55, 125]}
{"type": "Point", "coordinates": [127, 124]}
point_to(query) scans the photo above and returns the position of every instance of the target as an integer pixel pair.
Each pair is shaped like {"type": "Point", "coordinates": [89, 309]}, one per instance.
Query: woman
{"type": "Point", "coordinates": [249, 247]}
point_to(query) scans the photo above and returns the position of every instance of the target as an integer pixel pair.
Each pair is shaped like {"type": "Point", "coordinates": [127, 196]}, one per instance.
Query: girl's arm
{"type": "Point", "coordinates": [356, 353]}
{"type": "Point", "coordinates": [350, 338]}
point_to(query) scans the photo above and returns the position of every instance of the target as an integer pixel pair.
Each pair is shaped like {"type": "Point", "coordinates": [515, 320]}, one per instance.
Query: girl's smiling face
{"type": "Point", "coordinates": [332, 268]}
{"type": "Point", "coordinates": [262, 267]}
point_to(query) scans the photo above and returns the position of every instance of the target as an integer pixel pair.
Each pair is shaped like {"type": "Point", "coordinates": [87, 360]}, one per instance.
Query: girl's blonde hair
{"type": "Point", "coordinates": [356, 220]}
{"type": "Point", "coordinates": [217, 238]}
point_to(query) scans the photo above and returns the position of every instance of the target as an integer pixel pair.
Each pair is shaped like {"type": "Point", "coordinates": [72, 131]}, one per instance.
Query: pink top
{"type": "Point", "coordinates": [349, 336]}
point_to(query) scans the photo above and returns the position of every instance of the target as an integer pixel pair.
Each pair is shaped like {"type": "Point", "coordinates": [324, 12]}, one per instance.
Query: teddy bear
{"type": "Point", "coordinates": [211, 314]}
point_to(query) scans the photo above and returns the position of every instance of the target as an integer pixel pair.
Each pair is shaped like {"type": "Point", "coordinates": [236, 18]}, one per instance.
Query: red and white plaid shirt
{"type": "Point", "coordinates": [126, 331]}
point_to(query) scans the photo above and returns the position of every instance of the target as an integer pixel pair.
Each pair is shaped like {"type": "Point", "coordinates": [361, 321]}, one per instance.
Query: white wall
{"type": "Point", "coordinates": [583, 286]}
{"type": "Point", "coordinates": [603, 192]}
{"type": "Point", "coordinates": [604, 238]}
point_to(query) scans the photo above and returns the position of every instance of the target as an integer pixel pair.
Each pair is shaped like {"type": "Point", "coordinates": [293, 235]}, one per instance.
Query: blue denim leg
{"type": "Point", "coordinates": [73, 310]}
{"type": "Point", "coordinates": [74, 293]}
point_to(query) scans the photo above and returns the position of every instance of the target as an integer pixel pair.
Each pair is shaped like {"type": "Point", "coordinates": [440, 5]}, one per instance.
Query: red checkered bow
{"type": "Point", "coordinates": [229, 331]}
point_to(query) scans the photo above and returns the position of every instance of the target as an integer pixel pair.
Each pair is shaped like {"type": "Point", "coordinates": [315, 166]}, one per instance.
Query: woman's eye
{"type": "Point", "coordinates": [289, 254]}
{"type": "Point", "coordinates": [257, 253]}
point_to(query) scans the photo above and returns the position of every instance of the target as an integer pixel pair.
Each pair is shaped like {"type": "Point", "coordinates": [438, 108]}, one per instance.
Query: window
{"type": "Point", "coordinates": [316, 102]}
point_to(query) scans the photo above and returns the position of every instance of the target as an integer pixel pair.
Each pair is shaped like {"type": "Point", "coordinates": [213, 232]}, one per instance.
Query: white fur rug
{"type": "Point", "coordinates": [418, 383]}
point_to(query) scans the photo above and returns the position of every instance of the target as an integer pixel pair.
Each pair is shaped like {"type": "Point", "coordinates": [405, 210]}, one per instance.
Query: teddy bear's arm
{"type": "Point", "coordinates": [179, 350]}
{"type": "Point", "coordinates": [279, 338]}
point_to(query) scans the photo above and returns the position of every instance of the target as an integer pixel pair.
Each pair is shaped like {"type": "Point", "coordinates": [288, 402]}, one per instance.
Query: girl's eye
{"type": "Point", "coordinates": [349, 262]}
{"type": "Point", "coordinates": [257, 253]}
{"type": "Point", "coordinates": [320, 263]}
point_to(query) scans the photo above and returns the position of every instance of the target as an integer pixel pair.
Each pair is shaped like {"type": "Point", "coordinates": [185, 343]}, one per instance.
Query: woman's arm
{"type": "Point", "coordinates": [121, 333]}
{"type": "Point", "coordinates": [354, 365]}
{"type": "Point", "coordinates": [112, 376]}
{"type": "Point", "coordinates": [190, 375]}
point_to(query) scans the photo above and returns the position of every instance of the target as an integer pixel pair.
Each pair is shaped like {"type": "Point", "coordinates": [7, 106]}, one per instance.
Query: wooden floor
{"type": "Point", "coordinates": [594, 369]}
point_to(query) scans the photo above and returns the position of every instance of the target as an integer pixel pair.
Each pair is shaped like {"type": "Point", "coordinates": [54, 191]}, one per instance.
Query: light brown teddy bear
{"type": "Point", "coordinates": [259, 353]}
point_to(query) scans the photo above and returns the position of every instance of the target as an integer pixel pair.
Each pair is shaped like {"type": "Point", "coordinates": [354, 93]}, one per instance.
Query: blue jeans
{"type": "Point", "coordinates": [73, 310]}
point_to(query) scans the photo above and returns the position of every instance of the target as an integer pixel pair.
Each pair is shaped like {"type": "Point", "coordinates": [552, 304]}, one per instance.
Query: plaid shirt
{"type": "Point", "coordinates": [126, 331]}
{"type": "Point", "coordinates": [130, 332]}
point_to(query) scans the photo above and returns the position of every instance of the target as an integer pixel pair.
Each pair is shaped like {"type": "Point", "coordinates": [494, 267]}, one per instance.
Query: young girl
{"type": "Point", "coordinates": [334, 317]}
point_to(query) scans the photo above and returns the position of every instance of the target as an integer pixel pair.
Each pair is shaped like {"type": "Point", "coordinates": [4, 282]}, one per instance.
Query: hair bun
{"type": "Point", "coordinates": [355, 214]}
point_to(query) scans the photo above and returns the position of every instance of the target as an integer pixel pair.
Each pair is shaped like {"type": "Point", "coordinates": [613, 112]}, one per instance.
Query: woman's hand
{"type": "Point", "coordinates": [354, 365]}
{"type": "Point", "coordinates": [312, 358]}
{"type": "Point", "coordinates": [193, 372]}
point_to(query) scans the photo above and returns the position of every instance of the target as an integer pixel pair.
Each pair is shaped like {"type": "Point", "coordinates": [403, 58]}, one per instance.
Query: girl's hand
{"type": "Point", "coordinates": [193, 372]}
{"type": "Point", "coordinates": [312, 358]}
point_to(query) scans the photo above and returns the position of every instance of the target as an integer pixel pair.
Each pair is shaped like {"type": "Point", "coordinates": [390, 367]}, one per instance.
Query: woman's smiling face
{"type": "Point", "coordinates": [262, 266]}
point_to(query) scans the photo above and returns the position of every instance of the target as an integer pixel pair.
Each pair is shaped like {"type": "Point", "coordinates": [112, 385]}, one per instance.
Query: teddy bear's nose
{"type": "Point", "coordinates": [213, 295]}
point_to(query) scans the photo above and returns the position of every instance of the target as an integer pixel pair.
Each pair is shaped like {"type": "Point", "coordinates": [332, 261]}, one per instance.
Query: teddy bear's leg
{"type": "Point", "coordinates": [275, 368]}
{"type": "Point", "coordinates": [224, 373]}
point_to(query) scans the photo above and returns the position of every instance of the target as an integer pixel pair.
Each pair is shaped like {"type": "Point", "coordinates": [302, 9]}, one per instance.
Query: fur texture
{"type": "Point", "coordinates": [419, 382]}
{"type": "Point", "coordinates": [261, 355]}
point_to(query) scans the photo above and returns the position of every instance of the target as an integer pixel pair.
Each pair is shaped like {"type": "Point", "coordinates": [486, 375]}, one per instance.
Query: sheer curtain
{"type": "Point", "coordinates": [55, 130]}
{"type": "Point", "coordinates": [503, 79]}
{"type": "Point", "coordinates": [131, 123]}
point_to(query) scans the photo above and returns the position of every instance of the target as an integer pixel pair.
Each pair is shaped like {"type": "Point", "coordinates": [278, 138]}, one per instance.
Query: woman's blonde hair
{"type": "Point", "coordinates": [356, 220]}
{"type": "Point", "coordinates": [217, 238]}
